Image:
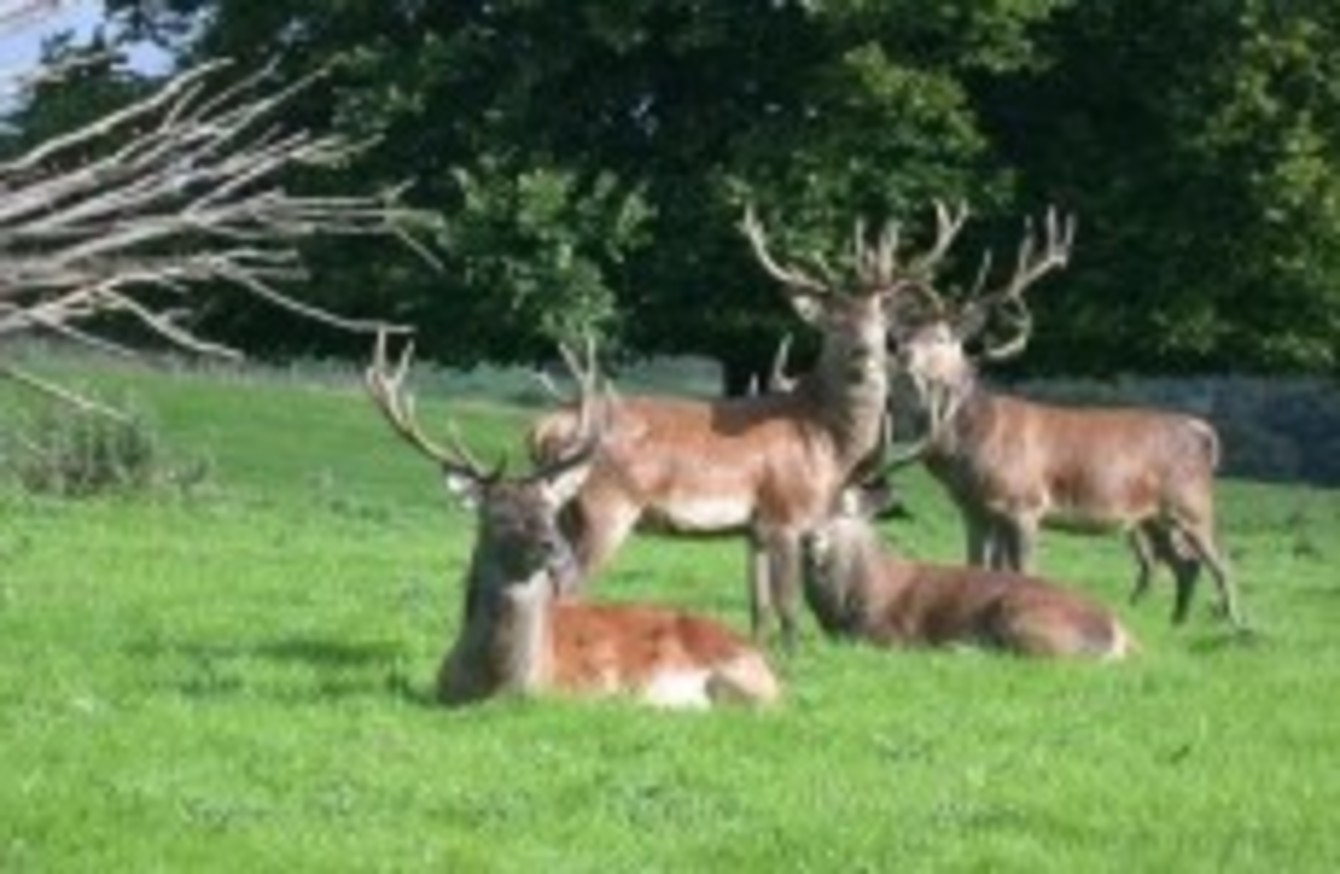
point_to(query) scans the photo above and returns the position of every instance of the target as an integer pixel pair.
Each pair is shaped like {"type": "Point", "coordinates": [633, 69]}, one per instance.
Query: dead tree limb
{"type": "Point", "coordinates": [137, 211]}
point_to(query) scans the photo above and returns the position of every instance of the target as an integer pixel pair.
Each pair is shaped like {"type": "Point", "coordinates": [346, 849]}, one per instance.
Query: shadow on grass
{"type": "Point", "coordinates": [292, 669]}
{"type": "Point", "coordinates": [1231, 639]}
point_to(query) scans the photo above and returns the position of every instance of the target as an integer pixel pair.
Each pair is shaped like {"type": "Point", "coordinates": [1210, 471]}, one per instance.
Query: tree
{"type": "Point", "coordinates": [595, 158]}
{"type": "Point", "coordinates": [133, 212]}
{"type": "Point", "coordinates": [1200, 143]}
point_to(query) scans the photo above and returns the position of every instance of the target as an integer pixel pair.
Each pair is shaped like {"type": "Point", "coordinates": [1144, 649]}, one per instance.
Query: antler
{"type": "Point", "coordinates": [778, 378]}
{"type": "Point", "coordinates": [387, 388]}
{"type": "Point", "coordinates": [878, 267]}
{"type": "Point", "coordinates": [1030, 266]}
{"type": "Point", "coordinates": [788, 276]}
{"type": "Point", "coordinates": [948, 224]}
{"type": "Point", "coordinates": [590, 423]}
{"type": "Point", "coordinates": [940, 405]}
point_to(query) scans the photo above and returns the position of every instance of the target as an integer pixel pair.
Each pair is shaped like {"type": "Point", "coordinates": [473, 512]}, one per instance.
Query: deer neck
{"type": "Point", "coordinates": [968, 407]}
{"type": "Point", "coordinates": [849, 389]}
{"type": "Point", "coordinates": [506, 631]}
{"type": "Point", "coordinates": [844, 586]}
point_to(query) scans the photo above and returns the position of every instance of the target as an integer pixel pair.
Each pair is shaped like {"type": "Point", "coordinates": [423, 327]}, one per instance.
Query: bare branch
{"type": "Point", "coordinates": [51, 389]}
{"type": "Point", "coordinates": [181, 189]}
{"type": "Point", "coordinates": [19, 14]}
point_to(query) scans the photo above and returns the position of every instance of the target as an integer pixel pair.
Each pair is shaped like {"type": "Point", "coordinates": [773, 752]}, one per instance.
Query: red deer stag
{"type": "Point", "coordinates": [515, 635]}
{"type": "Point", "coordinates": [860, 589]}
{"type": "Point", "coordinates": [769, 465]}
{"type": "Point", "coordinates": [881, 498]}
{"type": "Point", "coordinates": [1011, 464]}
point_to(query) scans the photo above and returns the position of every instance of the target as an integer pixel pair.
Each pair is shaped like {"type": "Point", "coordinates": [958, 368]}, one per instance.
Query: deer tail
{"type": "Point", "coordinates": [1209, 440]}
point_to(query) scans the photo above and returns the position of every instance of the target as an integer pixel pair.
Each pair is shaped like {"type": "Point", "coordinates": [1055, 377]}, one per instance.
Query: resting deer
{"type": "Point", "coordinates": [860, 589]}
{"type": "Point", "coordinates": [515, 635]}
{"type": "Point", "coordinates": [1012, 465]}
{"type": "Point", "coordinates": [767, 466]}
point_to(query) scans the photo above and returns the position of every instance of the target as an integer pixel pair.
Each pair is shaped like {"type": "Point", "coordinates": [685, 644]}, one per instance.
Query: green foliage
{"type": "Point", "coordinates": [590, 162]}
{"type": "Point", "coordinates": [1198, 143]}
{"type": "Point", "coordinates": [241, 682]}
{"type": "Point", "coordinates": [62, 450]}
{"type": "Point", "coordinates": [530, 252]}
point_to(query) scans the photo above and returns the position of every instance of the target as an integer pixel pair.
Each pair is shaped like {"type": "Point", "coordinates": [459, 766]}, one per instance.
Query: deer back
{"type": "Point", "coordinates": [857, 587]}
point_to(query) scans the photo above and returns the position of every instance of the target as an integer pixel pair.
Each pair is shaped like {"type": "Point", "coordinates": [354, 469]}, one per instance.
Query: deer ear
{"type": "Point", "coordinates": [808, 305]}
{"type": "Point", "coordinates": [465, 489]}
{"type": "Point", "coordinates": [563, 485]}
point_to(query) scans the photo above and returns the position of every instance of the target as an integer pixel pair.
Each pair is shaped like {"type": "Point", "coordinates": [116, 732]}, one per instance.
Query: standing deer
{"type": "Point", "coordinates": [1011, 464]}
{"type": "Point", "coordinates": [860, 589]}
{"type": "Point", "coordinates": [769, 465]}
{"type": "Point", "coordinates": [879, 496]}
{"type": "Point", "coordinates": [516, 636]}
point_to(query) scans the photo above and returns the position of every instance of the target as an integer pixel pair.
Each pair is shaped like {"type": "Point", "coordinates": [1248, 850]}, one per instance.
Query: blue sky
{"type": "Point", "coordinates": [21, 48]}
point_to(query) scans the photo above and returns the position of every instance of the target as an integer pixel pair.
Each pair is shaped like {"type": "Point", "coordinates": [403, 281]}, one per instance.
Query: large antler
{"type": "Point", "coordinates": [877, 265]}
{"type": "Point", "coordinates": [1030, 266]}
{"type": "Point", "coordinates": [386, 386]}
{"type": "Point", "coordinates": [590, 419]}
{"type": "Point", "coordinates": [790, 277]}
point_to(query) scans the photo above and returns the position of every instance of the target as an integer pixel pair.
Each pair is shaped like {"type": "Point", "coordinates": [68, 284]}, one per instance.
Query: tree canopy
{"type": "Point", "coordinates": [590, 161]}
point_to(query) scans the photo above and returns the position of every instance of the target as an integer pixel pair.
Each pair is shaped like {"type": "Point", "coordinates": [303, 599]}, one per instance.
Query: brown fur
{"type": "Point", "coordinates": [858, 588]}
{"type": "Point", "coordinates": [767, 466]}
{"type": "Point", "coordinates": [517, 636]}
{"type": "Point", "coordinates": [1012, 465]}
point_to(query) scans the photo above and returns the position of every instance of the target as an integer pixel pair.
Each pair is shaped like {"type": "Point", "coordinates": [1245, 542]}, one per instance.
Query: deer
{"type": "Point", "coordinates": [766, 466]}
{"type": "Point", "coordinates": [860, 589]}
{"type": "Point", "coordinates": [1011, 465]}
{"type": "Point", "coordinates": [877, 492]}
{"type": "Point", "coordinates": [516, 635]}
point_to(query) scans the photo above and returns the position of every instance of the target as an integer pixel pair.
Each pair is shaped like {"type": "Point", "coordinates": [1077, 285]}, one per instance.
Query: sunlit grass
{"type": "Point", "coordinates": [238, 679]}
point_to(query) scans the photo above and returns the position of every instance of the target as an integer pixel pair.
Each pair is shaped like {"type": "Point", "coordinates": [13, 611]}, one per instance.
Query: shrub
{"type": "Point", "coordinates": [65, 451]}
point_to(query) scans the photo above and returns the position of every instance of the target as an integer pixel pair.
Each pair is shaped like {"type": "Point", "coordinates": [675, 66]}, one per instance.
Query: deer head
{"type": "Point", "coordinates": [818, 292]}
{"type": "Point", "coordinates": [517, 515]}
{"type": "Point", "coordinates": [933, 347]}
{"type": "Point", "coordinates": [855, 312]}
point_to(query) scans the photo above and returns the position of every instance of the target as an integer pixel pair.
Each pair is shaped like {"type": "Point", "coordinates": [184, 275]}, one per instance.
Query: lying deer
{"type": "Point", "coordinates": [515, 635]}
{"type": "Point", "coordinates": [860, 589]}
{"type": "Point", "coordinates": [767, 466]}
{"type": "Point", "coordinates": [1012, 465]}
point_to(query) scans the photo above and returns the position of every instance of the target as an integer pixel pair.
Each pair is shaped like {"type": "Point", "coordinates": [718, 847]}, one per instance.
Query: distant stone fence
{"type": "Point", "coordinates": [1271, 429]}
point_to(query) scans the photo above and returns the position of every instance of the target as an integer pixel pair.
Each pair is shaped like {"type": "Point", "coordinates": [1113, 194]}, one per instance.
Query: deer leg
{"type": "Point", "coordinates": [783, 578]}
{"type": "Point", "coordinates": [597, 526]}
{"type": "Point", "coordinates": [1202, 544]}
{"type": "Point", "coordinates": [1139, 540]}
{"type": "Point", "coordinates": [1016, 536]}
{"type": "Point", "coordinates": [1186, 573]}
{"type": "Point", "coordinates": [760, 592]}
{"type": "Point", "coordinates": [976, 530]}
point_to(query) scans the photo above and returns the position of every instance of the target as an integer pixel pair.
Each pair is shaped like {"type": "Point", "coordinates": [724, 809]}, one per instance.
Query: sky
{"type": "Point", "coordinates": [21, 45]}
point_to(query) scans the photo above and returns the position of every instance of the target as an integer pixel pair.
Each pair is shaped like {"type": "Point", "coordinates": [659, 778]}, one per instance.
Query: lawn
{"type": "Point", "coordinates": [236, 677]}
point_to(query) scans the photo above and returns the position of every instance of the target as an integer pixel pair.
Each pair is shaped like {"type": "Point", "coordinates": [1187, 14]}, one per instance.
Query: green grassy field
{"type": "Point", "coordinates": [237, 679]}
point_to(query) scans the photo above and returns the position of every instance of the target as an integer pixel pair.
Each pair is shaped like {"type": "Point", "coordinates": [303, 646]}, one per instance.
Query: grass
{"type": "Point", "coordinates": [238, 679]}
